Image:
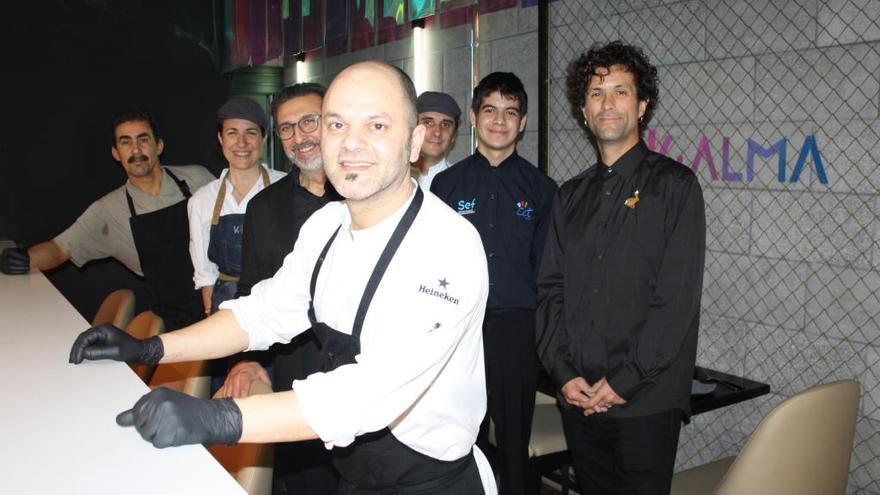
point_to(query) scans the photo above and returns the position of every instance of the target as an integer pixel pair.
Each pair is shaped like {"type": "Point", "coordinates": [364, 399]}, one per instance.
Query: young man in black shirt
{"type": "Point", "coordinates": [508, 200]}
{"type": "Point", "coordinates": [620, 283]}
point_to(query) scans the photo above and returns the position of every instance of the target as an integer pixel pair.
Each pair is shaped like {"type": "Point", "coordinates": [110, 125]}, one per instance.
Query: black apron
{"type": "Point", "coordinates": [378, 463]}
{"type": "Point", "coordinates": [161, 238]}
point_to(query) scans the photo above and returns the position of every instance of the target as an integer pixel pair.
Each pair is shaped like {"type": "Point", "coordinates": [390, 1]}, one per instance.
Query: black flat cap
{"type": "Point", "coordinates": [433, 101]}
{"type": "Point", "coordinates": [240, 107]}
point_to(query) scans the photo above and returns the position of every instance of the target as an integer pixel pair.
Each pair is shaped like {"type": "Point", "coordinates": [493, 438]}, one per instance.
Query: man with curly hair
{"type": "Point", "coordinates": [619, 285]}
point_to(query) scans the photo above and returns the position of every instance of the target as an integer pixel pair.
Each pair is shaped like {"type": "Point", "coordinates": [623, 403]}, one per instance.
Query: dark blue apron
{"type": "Point", "coordinates": [378, 463]}
{"type": "Point", "coordinates": [161, 238]}
{"type": "Point", "coordinates": [224, 247]}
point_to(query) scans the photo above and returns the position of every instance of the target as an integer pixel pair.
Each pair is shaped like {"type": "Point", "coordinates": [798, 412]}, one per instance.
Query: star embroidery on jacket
{"type": "Point", "coordinates": [443, 283]}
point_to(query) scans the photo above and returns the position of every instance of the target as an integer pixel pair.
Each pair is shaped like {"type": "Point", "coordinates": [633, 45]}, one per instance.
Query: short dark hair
{"type": "Point", "coordinates": [295, 91]}
{"type": "Point", "coordinates": [133, 115]}
{"type": "Point", "coordinates": [507, 84]}
{"type": "Point", "coordinates": [631, 58]}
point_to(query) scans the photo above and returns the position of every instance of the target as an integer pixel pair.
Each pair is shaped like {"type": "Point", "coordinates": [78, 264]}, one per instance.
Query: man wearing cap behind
{"type": "Point", "coordinates": [274, 218]}
{"type": "Point", "coordinates": [508, 200]}
{"type": "Point", "coordinates": [440, 115]}
{"type": "Point", "coordinates": [143, 224]}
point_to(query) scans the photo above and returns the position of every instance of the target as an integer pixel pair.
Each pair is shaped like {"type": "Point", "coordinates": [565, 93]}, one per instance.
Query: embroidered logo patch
{"type": "Point", "coordinates": [523, 210]}
{"type": "Point", "coordinates": [467, 207]}
{"type": "Point", "coordinates": [440, 291]}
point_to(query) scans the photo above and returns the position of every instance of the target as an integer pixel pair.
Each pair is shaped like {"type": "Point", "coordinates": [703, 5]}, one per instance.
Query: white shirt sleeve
{"type": "Point", "coordinates": [200, 207]}
{"type": "Point", "coordinates": [277, 308]}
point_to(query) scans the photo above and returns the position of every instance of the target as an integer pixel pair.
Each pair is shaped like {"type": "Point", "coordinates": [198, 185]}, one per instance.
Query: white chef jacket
{"type": "Point", "coordinates": [426, 179]}
{"type": "Point", "coordinates": [201, 208]}
{"type": "Point", "coordinates": [420, 371]}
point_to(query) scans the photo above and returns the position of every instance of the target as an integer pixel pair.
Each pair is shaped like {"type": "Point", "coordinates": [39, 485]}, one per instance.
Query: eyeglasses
{"type": "Point", "coordinates": [307, 124]}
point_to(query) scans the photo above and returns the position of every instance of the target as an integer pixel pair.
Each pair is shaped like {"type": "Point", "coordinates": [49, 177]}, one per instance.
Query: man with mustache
{"type": "Point", "coordinates": [440, 115]}
{"type": "Point", "coordinates": [143, 224]}
{"type": "Point", "coordinates": [273, 219]}
{"type": "Point", "coordinates": [619, 285]}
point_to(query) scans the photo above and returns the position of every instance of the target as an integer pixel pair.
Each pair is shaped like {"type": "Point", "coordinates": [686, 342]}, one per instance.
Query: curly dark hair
{"type": "Point", "coordinates": [632, 58]}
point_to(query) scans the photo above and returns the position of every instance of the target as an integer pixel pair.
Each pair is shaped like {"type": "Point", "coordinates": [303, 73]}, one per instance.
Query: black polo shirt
{"type": "Point", "coordinates": [510, 207]}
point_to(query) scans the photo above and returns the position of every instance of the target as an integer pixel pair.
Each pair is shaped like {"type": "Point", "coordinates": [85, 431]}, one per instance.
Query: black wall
{"type": "Point", "coordinates": [68, 67]}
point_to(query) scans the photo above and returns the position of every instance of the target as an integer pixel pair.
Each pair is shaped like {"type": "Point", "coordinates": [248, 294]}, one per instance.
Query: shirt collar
{"type": "Point", "coordinates": [438, 167]}
{"type": "Point", "coordinates": [382, 229]}
{"type": "Point", "coordinates": [626, 164]}
{"type": "Point", "coordinates": [482, 160]}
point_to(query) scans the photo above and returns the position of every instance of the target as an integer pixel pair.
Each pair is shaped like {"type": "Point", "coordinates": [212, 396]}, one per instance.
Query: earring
{"type": "Point", "coordinates": [585, 122]}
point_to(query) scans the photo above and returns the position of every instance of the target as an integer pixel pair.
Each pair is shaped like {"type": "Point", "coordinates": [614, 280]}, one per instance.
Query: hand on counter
{"type": "Point", "coordinates": [15, 261]}
{"type": "Point", "coordinates": [240, 377]}
{"type": "Point", "coordinates": [107, 341]}
{"type": "Point", "coordinates": [167, 418]}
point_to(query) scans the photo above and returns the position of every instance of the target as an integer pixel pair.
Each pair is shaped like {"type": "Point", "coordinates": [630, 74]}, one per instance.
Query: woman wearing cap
{"type": "Point", "coordinates": [216, 211]}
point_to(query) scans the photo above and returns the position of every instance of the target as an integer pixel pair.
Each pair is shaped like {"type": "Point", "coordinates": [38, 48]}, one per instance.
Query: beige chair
{"type": "Point", "coordinates": [117, 308]}
{"type": "Point", "coordinates": [802, 447]}
{"type": "Point", "coordinates": [548, 450]}
{"type": "Point", "coordinates": [144, 326]}
{"type": "Point", "coordinates": [190, 377]}
{"type": "Point", "coordinates": [249, 463]}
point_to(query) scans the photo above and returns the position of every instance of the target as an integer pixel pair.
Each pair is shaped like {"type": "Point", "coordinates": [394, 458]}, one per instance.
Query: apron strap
{"type": "Point", "coordinates": [315, 272]}
{"type": "Point", "coordinates": [384, 260]}
{"type": "Point", "coordinates": [181, 184]}
{"type": "Point", "coordinates": [221, 194]}
{"type": "Point", "coordinates": [378, 271]}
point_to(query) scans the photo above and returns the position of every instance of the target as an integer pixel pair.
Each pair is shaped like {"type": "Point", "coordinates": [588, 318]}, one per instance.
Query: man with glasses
{"type": "Point", "coordinates": [273, 219]}
{"type": "Point", "coordinates": [142, 224]}
{"type": "Point", "coordinates": [440, 115]}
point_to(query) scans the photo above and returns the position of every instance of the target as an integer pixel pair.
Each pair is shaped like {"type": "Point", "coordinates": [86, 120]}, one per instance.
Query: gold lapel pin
{"type": "Point", "coordinates": [633, 201]}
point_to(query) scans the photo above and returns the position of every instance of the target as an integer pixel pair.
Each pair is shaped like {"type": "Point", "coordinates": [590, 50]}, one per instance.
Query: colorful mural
{"type": "Point", "coordinates": [260, 31]}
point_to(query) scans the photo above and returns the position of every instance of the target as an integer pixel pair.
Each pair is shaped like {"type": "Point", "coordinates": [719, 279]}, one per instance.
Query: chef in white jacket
{"type": "Point", "coordinates": [403, 391]}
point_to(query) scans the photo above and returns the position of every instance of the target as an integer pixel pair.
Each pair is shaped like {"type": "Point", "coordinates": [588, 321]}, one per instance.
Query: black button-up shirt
{"type": "Point", "coordinates": [620, 281]}
{"type": "Point", "coordinates": [510, 207]}
{"type": "Point", "coordinates": [272, 223]}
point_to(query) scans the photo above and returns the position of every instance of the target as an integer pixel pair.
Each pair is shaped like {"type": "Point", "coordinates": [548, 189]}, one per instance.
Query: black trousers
{"type": "Point", "coordinates": [511, 378]}
{"type": "Point", "coordinates": [303, 468]}
{"type": "Point", "coordinates": [622, 456]}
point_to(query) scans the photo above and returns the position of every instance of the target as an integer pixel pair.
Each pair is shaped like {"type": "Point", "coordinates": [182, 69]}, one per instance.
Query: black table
{"type": "Point", "coordinates": [729, 389]}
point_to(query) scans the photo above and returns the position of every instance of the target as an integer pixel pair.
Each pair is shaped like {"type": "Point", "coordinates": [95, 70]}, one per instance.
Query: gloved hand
{"type": "Point", "coordinates": [107, 341]}
{"type": "Point", "coordinates": [15, 261]}
{"type": "Point", "coordinates": [167, 418]}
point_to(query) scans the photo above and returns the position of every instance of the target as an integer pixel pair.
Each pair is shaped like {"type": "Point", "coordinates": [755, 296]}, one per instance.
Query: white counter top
{"type": "Point", "coordinates": [58, 432]}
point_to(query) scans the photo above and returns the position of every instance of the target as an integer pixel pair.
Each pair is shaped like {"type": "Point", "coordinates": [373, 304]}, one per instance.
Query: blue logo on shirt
{"type": "Point", "coordinates": [467, 207]}
{"type": "Point", "coordinates": [523, 210]}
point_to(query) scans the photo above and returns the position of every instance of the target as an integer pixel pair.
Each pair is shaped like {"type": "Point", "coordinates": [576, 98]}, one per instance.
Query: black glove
{"type": "Point", "coordinates": [107, 341]}
{"type": "Point", "coordinates": [167, 418]}
{"type": "Point", "coordinates": [15, 261]}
